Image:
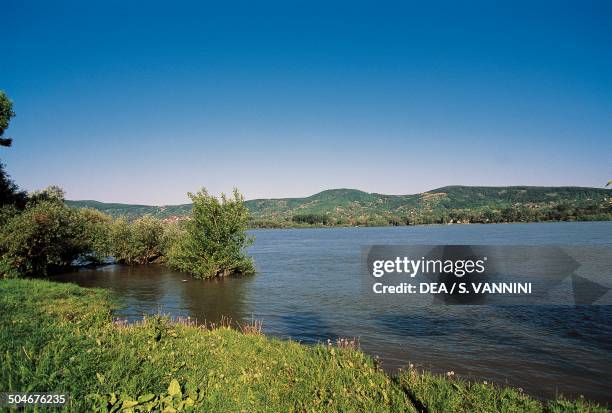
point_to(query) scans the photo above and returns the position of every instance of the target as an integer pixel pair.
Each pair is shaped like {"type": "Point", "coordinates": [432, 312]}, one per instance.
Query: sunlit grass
{"type": "Point", "coordinates": [59, 337]}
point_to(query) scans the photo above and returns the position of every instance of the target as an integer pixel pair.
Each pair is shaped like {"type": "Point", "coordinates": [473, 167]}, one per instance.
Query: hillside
{"type": "Point", "coordinates": [442, 205]}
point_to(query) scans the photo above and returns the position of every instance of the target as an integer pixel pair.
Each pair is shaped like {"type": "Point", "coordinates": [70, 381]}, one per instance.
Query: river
{"type": "Point", "coordinates": [308, 289]}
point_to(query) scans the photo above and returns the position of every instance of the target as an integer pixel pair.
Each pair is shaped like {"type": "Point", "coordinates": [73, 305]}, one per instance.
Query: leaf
{"type": "Point", "coordinates": [169, 409]}
{"type": "Point", "coordinates": [174, 388]}
{"type": "Point", "coordinates": [146, 398]}
{"type": "Point", "coordinates": [100, 377]}
{"type": "Point", "coordinates": [128, 403]}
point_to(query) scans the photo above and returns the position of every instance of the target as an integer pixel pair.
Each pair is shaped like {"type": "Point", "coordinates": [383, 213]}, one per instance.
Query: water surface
{"type": "Point", "coordinates": [308, 289]}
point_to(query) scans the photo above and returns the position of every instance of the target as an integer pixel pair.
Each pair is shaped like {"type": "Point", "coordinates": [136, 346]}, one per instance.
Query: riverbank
{"type": "Point", "coordinates": [60, 337]}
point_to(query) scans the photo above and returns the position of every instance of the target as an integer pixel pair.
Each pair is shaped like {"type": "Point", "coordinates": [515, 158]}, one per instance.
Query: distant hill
{"type": "Point", "coordinates": [447, 204]}
{"type": "Point", "coordinates": [131, 211]}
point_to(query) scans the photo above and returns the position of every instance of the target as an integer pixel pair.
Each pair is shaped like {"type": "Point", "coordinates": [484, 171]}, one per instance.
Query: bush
{"type": "Point", "coordinates": [97, 232]}
{"type": "Point", "coordinates": [215, 238]}
{"type": "Point", "coordinates": [45, 238]}
{"type": "Point", "coordinates": [50, 193]}
{"type": "Point", "coordinates": [139, 242]}
{"type": "Point", "coordinates": [7, 212]}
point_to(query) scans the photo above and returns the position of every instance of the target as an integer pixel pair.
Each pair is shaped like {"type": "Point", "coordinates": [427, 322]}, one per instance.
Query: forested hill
{"type": "Point", "coordinates": [442, 205]}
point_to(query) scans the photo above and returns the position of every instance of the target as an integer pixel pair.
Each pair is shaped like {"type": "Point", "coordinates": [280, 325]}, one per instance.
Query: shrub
{"type": "Point", "coordinates": [50, 193]}
{"type": "Point", "coordinates": [45, 238]}
{"type": "Point", "coordinates": [97, 232]}
{"type": "Point", "coordinates": [215, 238]}
{"type": "Point", "coordinates": [139, 242]}
{"type": "Point", "coordinates": [173, 231]}
{"type": "Point", "coordinates": [7, 212]}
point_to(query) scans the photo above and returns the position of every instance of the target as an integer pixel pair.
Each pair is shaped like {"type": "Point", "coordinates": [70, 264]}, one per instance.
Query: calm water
{"type": "Point", "coordinates": [308, 288]}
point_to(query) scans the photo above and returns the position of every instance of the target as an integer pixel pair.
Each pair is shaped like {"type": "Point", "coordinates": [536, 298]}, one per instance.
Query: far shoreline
{"type": "Point", "coordinates": [421, 225]}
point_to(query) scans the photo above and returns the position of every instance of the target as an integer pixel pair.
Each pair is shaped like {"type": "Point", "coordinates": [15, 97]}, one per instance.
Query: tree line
{"type": "Point", "coordinates": [583, 211]}
{"type": "Point", "coordinates": [47, 237]}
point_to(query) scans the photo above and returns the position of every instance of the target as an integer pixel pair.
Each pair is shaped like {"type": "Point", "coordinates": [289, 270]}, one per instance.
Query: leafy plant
{"type": "Point", "coordinates": [174, 399]}
{"type": "Point", "coordinates": [97, 232]}
{"type": "Point", "coordinates": [215, 238]}
{"type": "Point", "coordinates": [140, 242]}
{"type": "Point", "coordinates": [6, 113]}
{"type": "Point", "coordinates": [43, 239]}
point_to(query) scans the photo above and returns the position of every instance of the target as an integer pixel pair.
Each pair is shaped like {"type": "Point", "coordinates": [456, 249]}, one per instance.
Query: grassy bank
{"type": "Point", "coordinates": [59, 337]}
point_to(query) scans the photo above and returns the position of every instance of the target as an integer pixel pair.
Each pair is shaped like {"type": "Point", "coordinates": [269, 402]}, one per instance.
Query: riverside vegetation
{"type": "Point", "coordinates": [62, 338]}
{"type": "Point", "coordinates": [47, 237]}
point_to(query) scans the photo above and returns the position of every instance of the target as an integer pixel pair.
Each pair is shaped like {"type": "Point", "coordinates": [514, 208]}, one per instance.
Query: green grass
{"type": "Point", "coordinates": [440, 393]}
{"type": "Point", "coordinates": [60, 337]}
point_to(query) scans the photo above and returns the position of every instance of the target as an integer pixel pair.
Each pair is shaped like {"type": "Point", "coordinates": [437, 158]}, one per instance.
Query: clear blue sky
{"type": "Point", "coordinates": [141, 103]}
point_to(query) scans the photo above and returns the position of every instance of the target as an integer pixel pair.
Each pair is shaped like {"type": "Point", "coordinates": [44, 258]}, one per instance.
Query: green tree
{"type": "Point", "coordinates": [9, 192]}
{"type": "Point", "coordinates": [140, 242]}
{"type": "Point", "coordinates": [6, 113]}
{"type": "Point", "coordinates": [50, 193]}
{"type": "Point", "coordinates": [215, 238]}
{"type": "Point", "coordinates": [96, 227]}
{"type": "Point", "coordinates": [43, 239]}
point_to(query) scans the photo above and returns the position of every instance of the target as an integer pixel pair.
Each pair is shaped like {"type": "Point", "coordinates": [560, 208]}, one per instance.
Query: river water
{"type": "Point", "coordinates": [308, 289]}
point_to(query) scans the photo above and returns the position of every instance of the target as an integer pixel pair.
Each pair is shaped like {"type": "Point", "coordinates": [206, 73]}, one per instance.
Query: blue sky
{"type": "Point", "coordinates": [143, 102]}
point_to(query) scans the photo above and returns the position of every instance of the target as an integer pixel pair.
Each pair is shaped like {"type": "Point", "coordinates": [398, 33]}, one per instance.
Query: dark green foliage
{"type": "Point", "coordinates": [9, 192]}
{"type": "Point", "coordinates": [453, 204]}
{"type": "Point", "coordinates": [311, 219]}
{"type": "Point", "coordinates": [45, 238]}
{"type": "Point", "coordinates": [7, 212]}
{"type": "Point", "coordinates": [138, 242]}
{"type": "Point", "coordinates": [48, 237]}
{"type": "Point", "coordinates": [6, 113]}
{"type": "Point", "coordinates": [97, 233]}
{"type": "Point", "coordinates": [214, 240]}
